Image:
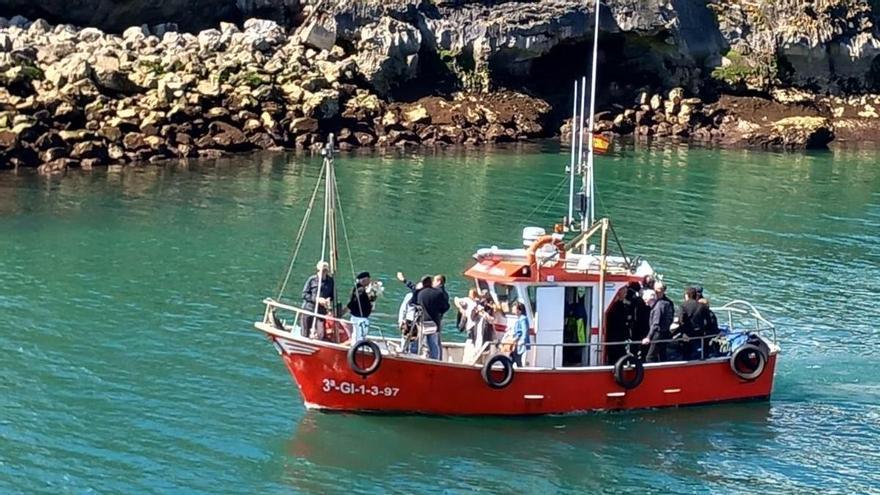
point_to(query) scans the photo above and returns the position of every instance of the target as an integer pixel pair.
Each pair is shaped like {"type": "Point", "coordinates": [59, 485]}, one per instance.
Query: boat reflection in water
{"type": "Point", "coordinates": [683, 443]}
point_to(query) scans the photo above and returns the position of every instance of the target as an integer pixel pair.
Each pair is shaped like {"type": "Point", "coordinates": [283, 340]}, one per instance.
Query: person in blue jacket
{"type": "Point", "coordinates": [517, 337]}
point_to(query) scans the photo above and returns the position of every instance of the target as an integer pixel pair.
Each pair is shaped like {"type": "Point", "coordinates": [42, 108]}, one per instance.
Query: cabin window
{"type": "Point", "coordinates": [482, 285]}
{"type": "Point", "coordinates": [533, 297]}
{"type": "Point", "coordinates": [507, 295]}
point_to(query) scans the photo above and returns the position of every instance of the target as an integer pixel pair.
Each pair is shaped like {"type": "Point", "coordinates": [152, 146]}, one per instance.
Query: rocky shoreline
{"type": "Point", "coordinates": [80, 97]}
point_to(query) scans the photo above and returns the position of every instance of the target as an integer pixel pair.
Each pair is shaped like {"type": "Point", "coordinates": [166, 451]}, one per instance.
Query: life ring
{"type": "Point", "coordinates": [357, 348]}
{"type": "Point", "coordinates": [507, 369]}
{"type": "Point", "coordinates": [748, 361]}
{"type": "Point", "coordinates": [541, 242]}
{"type": "Point", "coordinates": [624, 364]}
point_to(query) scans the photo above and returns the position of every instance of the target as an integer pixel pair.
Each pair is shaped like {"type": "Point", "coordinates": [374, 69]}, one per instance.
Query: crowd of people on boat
{"type": "Point", "coordinates": [641, 313]}
{"type": "Point", "coordinates": [641, 317]}
{"type": "Point", "coordinates": [420, 316]}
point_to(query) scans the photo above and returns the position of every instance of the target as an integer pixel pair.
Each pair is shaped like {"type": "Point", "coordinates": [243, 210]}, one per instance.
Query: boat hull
{"type": "Point", "coordinates": [404, 384]}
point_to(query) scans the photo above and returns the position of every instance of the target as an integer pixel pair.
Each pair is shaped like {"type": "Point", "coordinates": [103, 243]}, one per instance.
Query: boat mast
{"type": "Point", "coordinates": [328, 238]}
{"type": "Point", "coordinates": [589, 185]}
{"type": "Point", "coordinates": [589, 188]}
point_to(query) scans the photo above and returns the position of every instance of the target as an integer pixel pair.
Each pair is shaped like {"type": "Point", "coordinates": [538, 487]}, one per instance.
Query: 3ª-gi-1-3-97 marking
{"type": "Point", "coordinates": [349, 388]}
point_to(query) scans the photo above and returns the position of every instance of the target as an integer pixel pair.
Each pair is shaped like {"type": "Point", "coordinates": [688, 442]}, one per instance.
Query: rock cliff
{"type": "Point", "coordinates": [824, 45]}
{"type": "Point", "coordinates": [117, 15]}
{"type": "Point", "coordinates": [788, 74]}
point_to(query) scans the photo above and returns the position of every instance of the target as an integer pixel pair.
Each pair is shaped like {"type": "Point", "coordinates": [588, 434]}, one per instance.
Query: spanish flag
{"type": "Point", "coordinates": [601, 144]}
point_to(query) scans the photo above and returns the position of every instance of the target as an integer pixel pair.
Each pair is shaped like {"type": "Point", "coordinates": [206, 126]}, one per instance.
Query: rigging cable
{"type": "Point", "coordinates": [300, 235]}
{"type": "Point", "coordinates": [350, 257]}
{"type": "Point", "coordinates": [551, 197]}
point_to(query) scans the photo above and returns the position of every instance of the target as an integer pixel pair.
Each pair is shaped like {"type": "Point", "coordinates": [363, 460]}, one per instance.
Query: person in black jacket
{"type": "Point", "coordinates": [662, 314]}
{"type": "Point", "coordinates": [711, 347]}
{"type": "Point", "coordinates": [440, 283]}
{"type": "Point", "coordinates": [434, 303]}
{"type": "Point", "coordinates": [360, 305]}
{"type": "Point", "coordinates": [318, 301]}
{"type": "Point", "coordinates": [693, 323]}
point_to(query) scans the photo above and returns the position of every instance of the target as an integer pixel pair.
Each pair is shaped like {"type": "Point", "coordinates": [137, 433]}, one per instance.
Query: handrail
{"type": "Point", "coordinates": [731, 308]}
{"type": "Point", "coordinates": [751, 310]}
{"type": "Point", "coordinates": [275, 304]}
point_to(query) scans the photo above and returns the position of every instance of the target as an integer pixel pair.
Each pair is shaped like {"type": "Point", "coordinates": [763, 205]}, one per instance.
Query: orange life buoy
{"type": "Point", "coordinates": [541, 242]}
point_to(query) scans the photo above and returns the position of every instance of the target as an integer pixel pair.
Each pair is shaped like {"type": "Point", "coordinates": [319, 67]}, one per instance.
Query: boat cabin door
{"type": "Point", "coordinates": [550, 314]}
{"type": "Point", "coordinates": [563, 326]}
{"type": "Point", "coordinates": [577, 326]}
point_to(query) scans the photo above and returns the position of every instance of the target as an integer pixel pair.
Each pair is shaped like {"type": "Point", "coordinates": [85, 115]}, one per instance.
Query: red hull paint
{"type": "Point", "coordinates": [417, 386]}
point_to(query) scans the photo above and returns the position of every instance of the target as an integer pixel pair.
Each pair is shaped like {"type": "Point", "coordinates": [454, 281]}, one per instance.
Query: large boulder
{"type": "Point", "coordinates": [801, 133]}
{"type": "Point", "coordinates": [71, 69]}
{"type": "Point", "coordinates": [387, 53]}
{"type": "Point", "coordinates": [262, 34]}
{"type": "Point", "coordinates": [108, 76]}
{"type": "Point", "coordinates": [319, 35]}
{"type": "Point", "coordinates": [323, 104]}
{"type": "Point", "coordinates": [228, 137]}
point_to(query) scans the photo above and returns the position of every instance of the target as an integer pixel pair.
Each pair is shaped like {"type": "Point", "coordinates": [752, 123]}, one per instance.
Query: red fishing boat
{"type": "Point", "coordinates": [569, 283]}
{"type": "Point", "coordinates": [558, 281]}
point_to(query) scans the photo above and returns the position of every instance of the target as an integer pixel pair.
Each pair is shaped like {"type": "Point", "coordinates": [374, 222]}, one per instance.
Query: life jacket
{"type": "Point", "coordinates": [575, 327]}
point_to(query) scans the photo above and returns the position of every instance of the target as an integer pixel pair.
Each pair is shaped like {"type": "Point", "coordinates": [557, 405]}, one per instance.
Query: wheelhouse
{"type": "Point", "coordinates": [566, 288]}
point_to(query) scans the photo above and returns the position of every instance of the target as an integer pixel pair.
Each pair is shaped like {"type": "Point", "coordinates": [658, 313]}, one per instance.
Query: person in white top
{"type": "Point", "coordinates": [477, 318]}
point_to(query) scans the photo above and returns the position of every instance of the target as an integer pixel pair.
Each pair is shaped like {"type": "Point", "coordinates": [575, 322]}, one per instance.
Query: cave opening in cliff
{"type": "Point", "coordinates": [627, 64]}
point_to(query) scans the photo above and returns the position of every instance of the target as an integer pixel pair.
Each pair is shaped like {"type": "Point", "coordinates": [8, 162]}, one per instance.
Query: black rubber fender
{"type": "Point", "coordinates": [507, 368]}
{"type": "Point", "coordinates": [377, 357]}
{"type": "Point", "coordinates": [748, 362]}
{"type": "Point", "coordinates": [625, 363]}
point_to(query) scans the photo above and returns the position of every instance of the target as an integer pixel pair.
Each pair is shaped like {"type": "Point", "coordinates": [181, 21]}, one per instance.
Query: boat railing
{"type": "Point", "coordinates": [737, 312]}
{"type": "Point", "coordinates": [328, 321]}
{"type": "Point", "coordinates": [744, 309]}
{"type": "Point", "coordinates": [633, 346]}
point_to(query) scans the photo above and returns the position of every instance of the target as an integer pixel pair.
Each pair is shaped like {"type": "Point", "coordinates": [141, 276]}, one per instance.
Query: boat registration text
{"type": "Point", "coordinates": [348, 388]}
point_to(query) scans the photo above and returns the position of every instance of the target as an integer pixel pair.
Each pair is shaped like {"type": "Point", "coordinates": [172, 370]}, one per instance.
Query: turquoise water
{"type": "Point", "coordinates": [129, 364]}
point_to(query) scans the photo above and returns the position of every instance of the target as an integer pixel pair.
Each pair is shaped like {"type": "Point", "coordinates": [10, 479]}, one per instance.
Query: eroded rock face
{"type": "Point", "coordinates": [387, 53]}
{"type": "Point", "coordinates": [827, 46]}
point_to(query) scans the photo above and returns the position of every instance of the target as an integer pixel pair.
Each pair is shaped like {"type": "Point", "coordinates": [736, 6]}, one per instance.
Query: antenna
{"type": "Point", "coordinates": [573, 165]}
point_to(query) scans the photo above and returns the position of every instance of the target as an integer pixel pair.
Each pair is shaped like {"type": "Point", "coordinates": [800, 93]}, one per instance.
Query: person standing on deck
{"type": "Point", "coordinates": [517, 337]}
{"type": "Point", "coordinates": [360, 305]}
{"type": "Point", "coordinates": [662, 314]}
{"type": "Point", "coordinates": [317, 301]}
{"type": "Point", "coordinates": [410, 313]}
{"type": "Point", "coordinates": [434, 303]}
{"type": "Point", "coordinates": [693, 321]}
{"type": "Point", "coordinates": [414, 288]}
{"type": "Point", "coordinates": [440, 283]}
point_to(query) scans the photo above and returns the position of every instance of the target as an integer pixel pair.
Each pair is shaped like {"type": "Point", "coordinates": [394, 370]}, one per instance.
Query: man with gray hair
{"type": "Point", "coordinates": [317, 296]}
{"type": "Point", "coordinates": [662, 314]}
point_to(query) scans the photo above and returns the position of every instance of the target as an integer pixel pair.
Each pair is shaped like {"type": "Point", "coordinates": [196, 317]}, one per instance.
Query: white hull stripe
{"type": "Point", "coordinates": [291, 347]}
